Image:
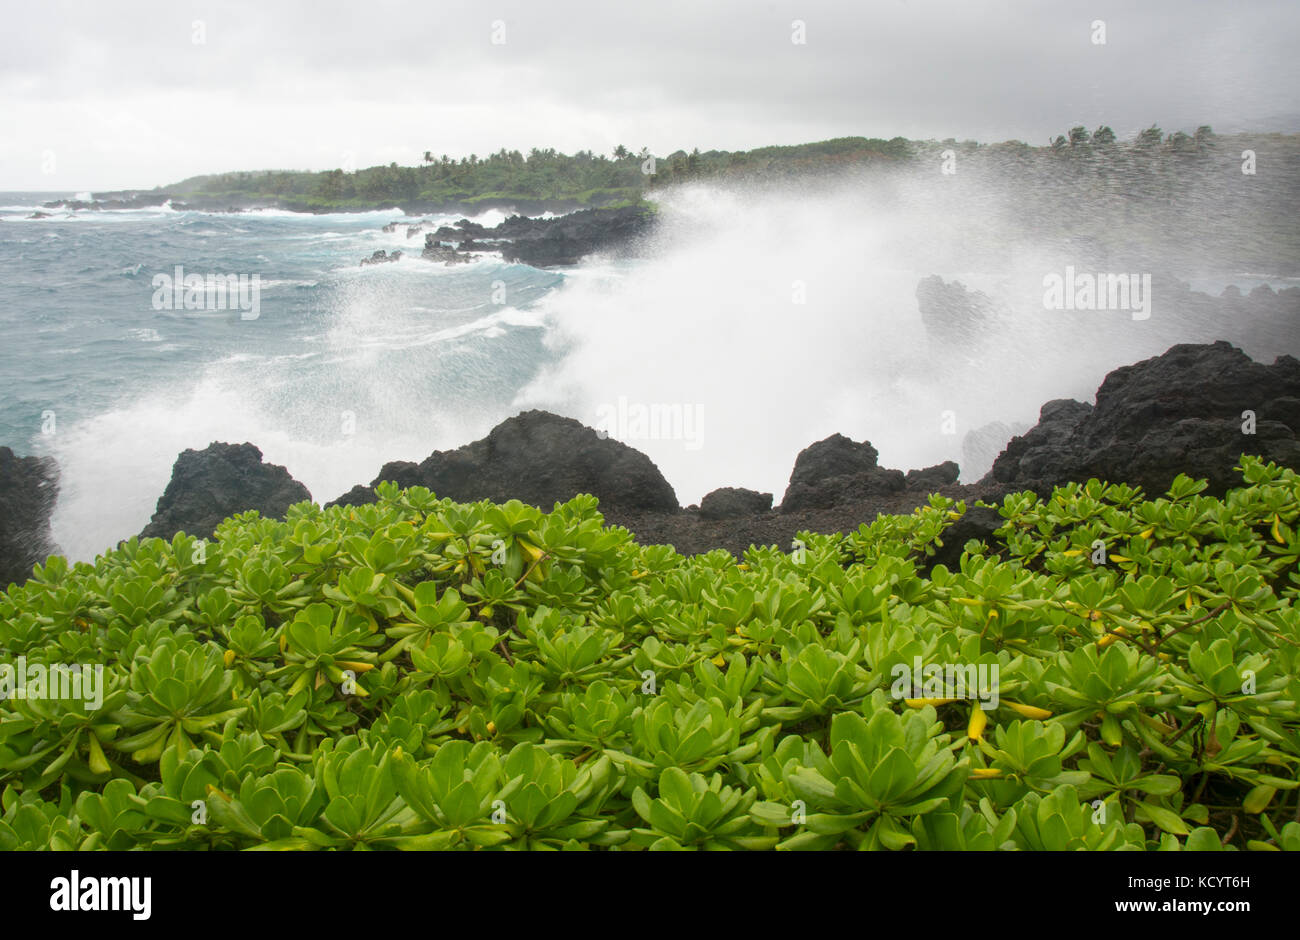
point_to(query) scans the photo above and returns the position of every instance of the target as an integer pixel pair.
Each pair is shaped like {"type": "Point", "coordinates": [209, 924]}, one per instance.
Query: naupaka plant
{"type": "Point", "coordinates": [417, 673]}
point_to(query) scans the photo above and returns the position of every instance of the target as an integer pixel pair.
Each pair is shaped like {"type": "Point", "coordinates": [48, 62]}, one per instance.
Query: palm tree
{"type": "Point", "coordinates": [1151, 137]}
{"type": "Point", "coordinates": [620, 152]}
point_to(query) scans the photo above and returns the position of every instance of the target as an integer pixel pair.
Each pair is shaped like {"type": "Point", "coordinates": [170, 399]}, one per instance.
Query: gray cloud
{"type": "Point", "coordinates": [122, 96]}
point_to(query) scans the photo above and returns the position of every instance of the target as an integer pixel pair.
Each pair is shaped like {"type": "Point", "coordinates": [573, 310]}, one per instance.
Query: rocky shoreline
{"type": "Point", "coordinates": [541, 242]}
{"type": "Point", "coordinates": [563, 240]}
{"type": "Point", "coordinates": [1194, 410]}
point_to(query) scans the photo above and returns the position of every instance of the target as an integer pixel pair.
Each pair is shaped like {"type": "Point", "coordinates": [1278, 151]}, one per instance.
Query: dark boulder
{"type": "Point", "coordinates": [29, 487]}
{"type": "Point", "coordinates": [540, 242]}
{"type": "Point", "coordinates": [731, 502]}
{"type": "Point", "coordinates": [435, 250]}
{"type": "Point", "coordinates": [932, 478]}
{"type": "Point", "coordinates": [402, 472]}
{"type": "Point", "coordinates": [359, 495]}
{"type": "Point", "coordinates": [538, 458]}
{"type": "Point", "coordinates": [833, 457]}
{"type": "Point", "coordinates": [979, 523]}
{"type": "Point", "coordinates": [1182, 412]}
{"type": "Point", "coordinates": [836, 471]}
{"type": "Point", "coordinates": [1037, 454]}
{"type": "Point", "coordinates": [209, 485]}
{"type": "Point", "coordinates": [471, 229]}
{"type": "Point", "coordinates": [567, 239]}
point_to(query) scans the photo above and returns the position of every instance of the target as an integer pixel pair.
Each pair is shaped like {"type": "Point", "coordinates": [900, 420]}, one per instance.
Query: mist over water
{"type": "Point", "coordinates": [784, 315]}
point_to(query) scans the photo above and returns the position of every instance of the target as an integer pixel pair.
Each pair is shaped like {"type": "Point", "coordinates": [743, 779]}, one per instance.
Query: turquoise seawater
{"type": "Point", "coordinates": [343, 367]}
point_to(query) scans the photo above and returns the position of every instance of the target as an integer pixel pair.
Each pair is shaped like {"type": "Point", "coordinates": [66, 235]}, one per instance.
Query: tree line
{"type": "Point", "coordinates": [586, 178]}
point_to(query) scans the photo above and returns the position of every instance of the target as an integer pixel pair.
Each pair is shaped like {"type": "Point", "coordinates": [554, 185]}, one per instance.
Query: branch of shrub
{"type": "Point", "coordinates": [1191, 623]}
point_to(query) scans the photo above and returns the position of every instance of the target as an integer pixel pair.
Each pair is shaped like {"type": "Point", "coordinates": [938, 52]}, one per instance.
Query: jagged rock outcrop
{"type": "Point", "coordinates": [29, 487]}
{"type": "Point", "coordinates": [1038, 454]}
{"type": "Point", "coordinates": [951, 314]}
{"type": "Point", "coordinates": [931, 478]}
{"type": "Point", "coordinates": [1181, 412]}
{"type": "Point", "coordinates": [835, 471]}
{"type": "Point", "coordinates": [540, 242]}
{"type": "Point", "coordinates": [466, 228]}
{"type": "Point", "coordinates": [567, 239]}
{"type": "Point", "coordinates": [222, 479]}
{"type": "Point", "coordinates": [538, 458]}
{"type": "Point", "coordinates": [381, 256]}
{"type": "Point", "coordinates": [435, 250]}
{"type": "Point", "coordinates": [730, 502]}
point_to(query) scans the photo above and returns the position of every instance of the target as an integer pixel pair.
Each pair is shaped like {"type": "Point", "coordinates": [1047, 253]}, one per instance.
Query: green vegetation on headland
{"type": "Point", "coordinates": [420, 674]}
{"type": "Point", "coordinates": [542, 178]}
{"type": "Point", "coordinates": [545, 179]}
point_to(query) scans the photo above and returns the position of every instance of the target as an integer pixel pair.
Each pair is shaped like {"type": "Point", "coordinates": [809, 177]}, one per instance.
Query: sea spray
{"type": "Point", "coordinates": [790, 316]}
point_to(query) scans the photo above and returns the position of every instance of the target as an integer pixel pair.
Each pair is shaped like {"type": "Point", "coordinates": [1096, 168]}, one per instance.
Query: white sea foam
{"type": "Point", "coordinates": [128, 451]}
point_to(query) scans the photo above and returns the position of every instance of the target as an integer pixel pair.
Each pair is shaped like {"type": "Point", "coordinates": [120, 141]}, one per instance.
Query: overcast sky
{"type": "Point", "coordinates": [100, 95]}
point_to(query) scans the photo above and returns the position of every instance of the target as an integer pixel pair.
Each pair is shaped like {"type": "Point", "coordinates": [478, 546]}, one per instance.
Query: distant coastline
{"type": "Point", "coordinates": [547, 181]}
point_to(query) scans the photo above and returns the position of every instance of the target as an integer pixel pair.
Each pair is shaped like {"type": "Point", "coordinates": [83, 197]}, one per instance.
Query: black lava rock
{"type": "Point", "coordinates": [222, 479]}
{"type": "Point", "coordinates": [538, 458]}
{"type": "Point", "coordinates": [731, 502]}
{"type": "Point", "coordinates": [931, 478]}
{"type": "Point", "coordinates": [1187, 411]}
{"type": "Point", "coordinates": [835, 471]}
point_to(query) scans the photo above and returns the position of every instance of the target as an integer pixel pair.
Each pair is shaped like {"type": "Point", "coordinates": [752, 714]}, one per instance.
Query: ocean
{"type": "Point", "coordinates": [343, 368]}
{"type": "Point", "coordinates": [749, 329]}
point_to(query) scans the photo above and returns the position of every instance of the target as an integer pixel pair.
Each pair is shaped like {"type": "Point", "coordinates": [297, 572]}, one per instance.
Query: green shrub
{"type": "Point", "coordinates": [421, 674]}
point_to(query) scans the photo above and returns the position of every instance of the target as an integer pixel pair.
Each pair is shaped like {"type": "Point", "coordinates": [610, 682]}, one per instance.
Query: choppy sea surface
{"type": "Point", "coordinates": [339, 368]}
